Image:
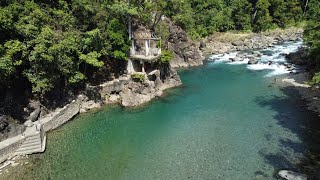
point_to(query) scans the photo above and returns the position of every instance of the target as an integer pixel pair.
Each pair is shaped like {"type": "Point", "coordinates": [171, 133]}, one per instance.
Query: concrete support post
{"type": "Point", "coordinates": [147, 46]}
{"type": "Point", "coordinates": [143, 70]}
{"type": "Point", "coordinates": [132, 48]}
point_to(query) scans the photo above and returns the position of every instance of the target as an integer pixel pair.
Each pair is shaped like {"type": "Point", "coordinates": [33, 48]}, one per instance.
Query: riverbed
{"type": "Point", "coordinates": [227, 121]}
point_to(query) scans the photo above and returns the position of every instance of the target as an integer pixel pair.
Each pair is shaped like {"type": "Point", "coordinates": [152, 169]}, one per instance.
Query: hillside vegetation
{"type": "Point", "coordinates": [50, 45]}
{"type": "Point", "coordinates": [312, 38]}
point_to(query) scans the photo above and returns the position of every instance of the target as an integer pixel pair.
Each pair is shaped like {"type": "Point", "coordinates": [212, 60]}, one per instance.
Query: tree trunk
{"type": "Point", "coordinates": [254, 15]}
{"type": "Point", "coordinates": [305, 7]}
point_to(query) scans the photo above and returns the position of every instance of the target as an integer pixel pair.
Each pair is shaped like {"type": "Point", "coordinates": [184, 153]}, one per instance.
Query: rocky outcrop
{"type": "Point", "coordinates": [186, 52]}
{"type": "Point", "coordinates": [253, 61]}
{"type": "Point", "coordinates": [299, 57]}
{"type": "Point", "coordinates": [130, 93]}
{"type": "Point", "coordinates": [3, 122]}
{"type": "Point", "coordinates": [220, 43]}
{"type": "Point", "coordinates": [9, 127]}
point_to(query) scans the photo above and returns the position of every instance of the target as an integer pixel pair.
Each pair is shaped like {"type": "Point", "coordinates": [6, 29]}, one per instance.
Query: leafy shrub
{"type": "Point", "coordinates": [138, 77]}
{"type": "Point", "coordinates": [166, 56]}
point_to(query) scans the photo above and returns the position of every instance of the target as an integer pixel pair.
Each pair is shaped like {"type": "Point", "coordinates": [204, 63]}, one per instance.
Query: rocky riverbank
{"type": "Point", "coordinates": [186, 53]}
{"type": "Point", "coordinates": [129, 92]}
{"type": "Point", "coordinates": [124, 90]}
{"type": "Point", "coordinates": [220, 43]}
{"type": "Point", "coordinates": [299, 82]}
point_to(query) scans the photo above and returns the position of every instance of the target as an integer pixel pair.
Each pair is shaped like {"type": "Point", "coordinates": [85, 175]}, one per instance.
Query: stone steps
{"type": "Point", "coordinates": [32, 144]}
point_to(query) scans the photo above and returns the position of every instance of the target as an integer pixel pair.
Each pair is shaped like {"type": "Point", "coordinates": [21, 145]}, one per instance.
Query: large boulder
{"type": "Point", "coordinates": [253, 61]}
{"type": "Point", "coordinates": [34, 110]}
{"type": "Point", "coordinates": [3, 122]}
{"type": "Point", "coordinates": [257, 54]}
{"type": "Point", "coordinates": [202, 45]}
{"type": "Point", "coordinates": [235, 59]}
{"type": "Point", "coordinates": [34, 115]}
{"type": "Point", "coordinates": [299, 57]}
{"type": "Point", "coordinates": [290, 175]}
{"type": "Point", "coordinates": [238, 43]}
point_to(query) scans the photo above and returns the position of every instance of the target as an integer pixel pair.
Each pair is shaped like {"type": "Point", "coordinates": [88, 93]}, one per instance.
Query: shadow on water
{"type": "Point", "coordinates": [302, 123]}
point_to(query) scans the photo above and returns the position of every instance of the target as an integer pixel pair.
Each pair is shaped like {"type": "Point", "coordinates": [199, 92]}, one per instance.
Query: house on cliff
{"type": "Point", "coordinates": [144, 52]}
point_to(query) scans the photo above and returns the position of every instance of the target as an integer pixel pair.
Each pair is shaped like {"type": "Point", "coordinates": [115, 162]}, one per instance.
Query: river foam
{"type": "Point", "coordinates": [275, 54]}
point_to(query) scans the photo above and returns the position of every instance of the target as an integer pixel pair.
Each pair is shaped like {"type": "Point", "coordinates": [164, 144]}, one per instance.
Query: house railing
{"type": "Point", "coordinates": [145, 50]}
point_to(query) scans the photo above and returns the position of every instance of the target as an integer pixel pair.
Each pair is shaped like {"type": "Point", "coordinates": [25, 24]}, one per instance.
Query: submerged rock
{"type": "Point", "coordinates": [234, 59]}
{"type": "Point", "coordinates": [290, 175]}
{"type": "Point", "coordinates": [257, 54]}
{"type": "Point", "coordinates": [253, 61]}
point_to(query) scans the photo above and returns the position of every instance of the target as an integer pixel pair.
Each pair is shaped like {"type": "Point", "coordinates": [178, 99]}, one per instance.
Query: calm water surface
{"type": "Point", "coordinates": [225, 122]}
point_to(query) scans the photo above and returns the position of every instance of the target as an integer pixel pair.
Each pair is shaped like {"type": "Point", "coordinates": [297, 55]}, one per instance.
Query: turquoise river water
{"type": "Point", "coordinates": [225, 122]}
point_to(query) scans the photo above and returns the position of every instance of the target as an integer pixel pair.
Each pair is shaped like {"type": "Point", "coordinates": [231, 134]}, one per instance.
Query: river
{"type": "Point", "coordinates": [227, 121]}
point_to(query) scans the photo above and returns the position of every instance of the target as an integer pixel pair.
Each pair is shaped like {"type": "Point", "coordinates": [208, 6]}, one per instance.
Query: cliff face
{"type": "Point", "coordinates": [186, 52]}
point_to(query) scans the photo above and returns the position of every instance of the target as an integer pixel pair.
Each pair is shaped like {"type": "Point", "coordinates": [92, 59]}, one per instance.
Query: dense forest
{"type": "Point", "coordinates": [61, 44]}
{"type": "Point", "coordinates": [312, 38]}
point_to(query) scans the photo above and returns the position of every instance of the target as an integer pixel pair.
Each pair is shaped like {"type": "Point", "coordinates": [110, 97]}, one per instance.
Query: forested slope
{"type": "Point", "coordinates": [46, 45]}
{"type": "Point", "coordinates": [312, 38]}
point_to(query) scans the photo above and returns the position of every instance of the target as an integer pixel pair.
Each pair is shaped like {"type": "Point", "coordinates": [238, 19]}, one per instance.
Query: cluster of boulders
{"type": "Point", "coordinates": [216, 45]}
{"type": "Point", "coordinates": [253, 57]}
{"type": "Point", "coordinates": [252, 43]}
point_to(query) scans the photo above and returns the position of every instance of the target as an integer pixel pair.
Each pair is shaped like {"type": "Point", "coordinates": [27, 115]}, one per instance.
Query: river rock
{"type": "Point", "coordinates": [290, 175]}
{"type": "Point", "coordinates": [235, 59]}
{"type": "Point", "coordinates": [3, 122]}
{"type": "Point", "coordinates": [238, 43]}
{"type": "Point", "coordinates": [240, 55]}
{"type": "Point", "coordinates": [257, 54]}
{"type": "Point", "coordinates": [88, 105]}
{"type": "Point", "coordinates": [253, 61]}
{"type": "Point", "coordinates": [34, 110]}
{"type": "Point", "coordinates": [217, 44]}
{"type": "Point", "coordinates": [299, 58]}
{"type": "Point", "coordinates": [34, 115]}
{"type": "Point", "coordinates": [113, 98]}
{"type": "Point", "coordinates": [202, 45]}
{"type": "Point", "coordinates": [158, 83]}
